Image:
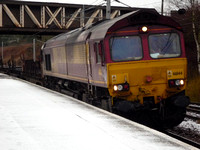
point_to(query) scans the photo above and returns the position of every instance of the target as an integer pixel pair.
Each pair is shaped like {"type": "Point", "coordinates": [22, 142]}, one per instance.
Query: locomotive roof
{"type": "Point", "coordinates": [98, 30]}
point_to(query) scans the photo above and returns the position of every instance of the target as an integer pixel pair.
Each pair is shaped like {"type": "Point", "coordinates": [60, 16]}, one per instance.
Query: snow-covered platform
{"type": "Point", "coordinates": [35, 118]}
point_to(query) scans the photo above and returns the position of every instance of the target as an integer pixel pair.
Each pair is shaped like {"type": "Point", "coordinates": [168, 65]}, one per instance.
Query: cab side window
{"type": "Point", "coordinates": [48, 62]}
{"type": "Point", "coordinates": [97, 52]}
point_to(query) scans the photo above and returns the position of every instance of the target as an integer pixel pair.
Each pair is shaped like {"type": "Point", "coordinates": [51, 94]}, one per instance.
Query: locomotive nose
{"type": "Point", "coordinates": [147, 80]}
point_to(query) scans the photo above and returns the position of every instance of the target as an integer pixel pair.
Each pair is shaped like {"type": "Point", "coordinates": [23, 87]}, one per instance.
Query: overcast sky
{"type": "Point", "coordinates": [133, 3]}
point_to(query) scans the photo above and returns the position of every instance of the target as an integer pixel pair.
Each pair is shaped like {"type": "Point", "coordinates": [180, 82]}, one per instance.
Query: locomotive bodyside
{"type": "Point", "coordinates": [65, 61]}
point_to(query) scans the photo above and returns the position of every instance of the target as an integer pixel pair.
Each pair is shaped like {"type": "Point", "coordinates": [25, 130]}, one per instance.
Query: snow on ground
{"type": "Point", "coordinates": [189, 129]}
{"type": "Point", "coordinates": [189, 124]}
{"type": "Point", "coordinates": [193, 114]}
{"type": "Point", "coordinates": [32, 117]}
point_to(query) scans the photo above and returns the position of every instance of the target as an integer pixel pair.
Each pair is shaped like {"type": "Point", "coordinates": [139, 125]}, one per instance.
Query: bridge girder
{"type": "Point", "coordinates": [50, 18]}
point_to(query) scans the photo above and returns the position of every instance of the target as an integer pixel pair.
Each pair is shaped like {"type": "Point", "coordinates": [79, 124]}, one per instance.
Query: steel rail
{"type": "Point", "coordinates": [183, 139]}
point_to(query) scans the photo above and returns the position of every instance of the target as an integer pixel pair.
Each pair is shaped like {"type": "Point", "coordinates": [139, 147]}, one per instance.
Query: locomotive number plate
{"type": "Point", "coordinates": [175, 74]}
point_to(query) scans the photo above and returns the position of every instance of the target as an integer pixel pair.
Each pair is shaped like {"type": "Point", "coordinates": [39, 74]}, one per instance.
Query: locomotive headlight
{"type": "Point", "coordinates": [182, 82]}
{"type": "Point", "coordinates": [120, 87]}
{"type": "Point", "coordinates": [144, 29]}
{"type": "Point", "coordinates": [179, 82]}
{"type": "Point", "coordinates": [115, 88]}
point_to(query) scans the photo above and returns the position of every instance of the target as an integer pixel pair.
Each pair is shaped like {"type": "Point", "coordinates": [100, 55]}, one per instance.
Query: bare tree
{"type": "Point", "coordinates": [193, 9]}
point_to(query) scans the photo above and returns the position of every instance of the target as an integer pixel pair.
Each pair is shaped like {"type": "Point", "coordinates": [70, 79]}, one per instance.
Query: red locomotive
{"type": "Point", "coordinates": [134, 64]}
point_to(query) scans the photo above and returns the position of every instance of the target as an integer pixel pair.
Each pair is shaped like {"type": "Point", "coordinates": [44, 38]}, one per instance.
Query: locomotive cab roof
{"type": "Point", "coordinates": [99, 30]}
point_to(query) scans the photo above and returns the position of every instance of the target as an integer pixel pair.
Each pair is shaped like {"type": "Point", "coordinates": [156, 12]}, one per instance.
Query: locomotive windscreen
{"type": "Point", "coordinates": [165, 45]}
{"type": "Point", "coordinates": [126, 48]}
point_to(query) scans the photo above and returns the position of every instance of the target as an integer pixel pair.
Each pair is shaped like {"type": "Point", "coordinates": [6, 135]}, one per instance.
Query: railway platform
{"type": "Point", "coordinates": [35, 118]}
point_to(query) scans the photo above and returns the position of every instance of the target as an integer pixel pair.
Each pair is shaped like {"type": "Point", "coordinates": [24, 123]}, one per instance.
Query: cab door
{"type": "Point", "coordinates": [99, 72]}
{"type": "Point", "coordinates": [88, 64]}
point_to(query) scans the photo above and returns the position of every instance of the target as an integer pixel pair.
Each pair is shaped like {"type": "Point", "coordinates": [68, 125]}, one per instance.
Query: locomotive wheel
{"type": "Point", "coordinates": [104, 104]}
{"type": "Point", "coordinates": [85, 97]}
{"type": "Point", "coordinates": [174, 117]}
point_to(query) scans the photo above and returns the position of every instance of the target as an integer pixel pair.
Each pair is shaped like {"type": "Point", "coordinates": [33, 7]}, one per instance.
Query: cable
{"type": "Point", "coordinates": [123, 3]}
{"type": "Point", "coordinates": [93, 2]}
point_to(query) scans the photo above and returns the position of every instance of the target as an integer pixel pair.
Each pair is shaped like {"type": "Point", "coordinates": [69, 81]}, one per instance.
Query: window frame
{"type": "Point", "coordinates": [179, 40]}
{"type": "Point", "coordinates": [48, 62]}
{"type": "Point", "coordinates": [97, 53]}
{"type": "Point", "coordinates": [141, 42]}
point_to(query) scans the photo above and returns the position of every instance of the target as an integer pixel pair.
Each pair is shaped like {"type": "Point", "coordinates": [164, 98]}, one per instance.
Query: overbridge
{"type": "Point", "coordinates": [50, 18]}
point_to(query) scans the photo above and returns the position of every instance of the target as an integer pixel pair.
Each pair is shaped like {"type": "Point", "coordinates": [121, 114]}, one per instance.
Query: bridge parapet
{"type": "Point", "coordinates": [50, 18]}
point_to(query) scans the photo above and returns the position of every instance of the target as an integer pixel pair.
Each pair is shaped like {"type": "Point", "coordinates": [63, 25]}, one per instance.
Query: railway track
{"type": "Point", "coordinates": [187, 132]}
{"type": "Point", "coordinates": [192, 116]}
{"type": "Point", "coordinates": [194, 107]}
{"type": "Point", "coordinates": [193, 112]}
{"type": "Point", "coordinates": [181, 138]}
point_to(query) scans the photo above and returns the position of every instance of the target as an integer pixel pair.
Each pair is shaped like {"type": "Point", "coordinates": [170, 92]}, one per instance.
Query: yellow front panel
{"type": "Point", "coordinates": [146, 78]}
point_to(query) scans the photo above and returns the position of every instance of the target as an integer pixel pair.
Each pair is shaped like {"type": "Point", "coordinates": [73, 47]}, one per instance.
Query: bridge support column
{"type": "Point", "coordinates": [82, 17]}
{"type": "Point", "coordinates": [63, 17]}
{"type": "Point", "coordinates": [22, 15]}
{"type": "Point", "coordinates": [43, 17]}
{"type": "Point", "coordinates": [1, 18]}
{"type": "Point", "coordinates": [101, 15]}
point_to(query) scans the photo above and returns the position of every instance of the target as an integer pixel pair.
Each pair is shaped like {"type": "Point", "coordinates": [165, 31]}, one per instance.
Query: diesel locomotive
{"type": "Point", "coordinates": [134, 64]}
